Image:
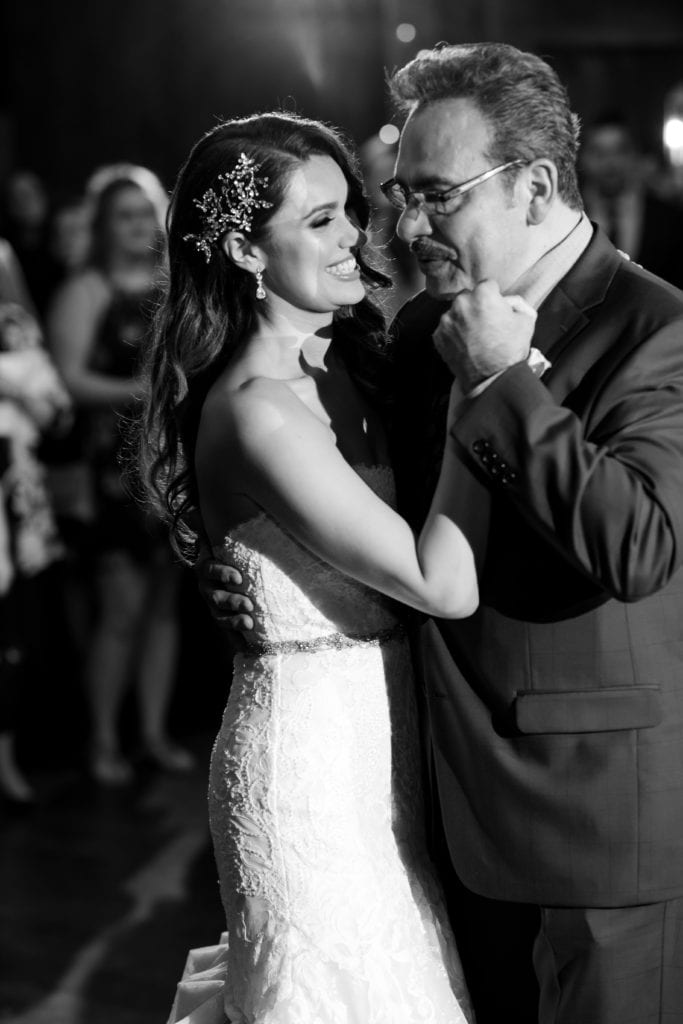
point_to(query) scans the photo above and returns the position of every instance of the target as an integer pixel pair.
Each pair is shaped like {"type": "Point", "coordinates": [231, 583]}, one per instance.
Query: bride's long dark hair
{"type": "Point", "coordinates": [209, 308]}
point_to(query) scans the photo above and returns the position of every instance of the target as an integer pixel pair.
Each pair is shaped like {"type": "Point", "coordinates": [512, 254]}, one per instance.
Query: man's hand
{"type": "Point", "coordinates": [484, 333]}
{"type": "Point", "coordinates": [219, 586]}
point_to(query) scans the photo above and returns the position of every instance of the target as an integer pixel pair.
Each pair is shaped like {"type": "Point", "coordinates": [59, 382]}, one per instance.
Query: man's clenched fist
{"type": "Point", "coordinates": [484, 333]}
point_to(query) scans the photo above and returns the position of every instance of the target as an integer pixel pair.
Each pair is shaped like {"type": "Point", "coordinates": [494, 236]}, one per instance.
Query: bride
{"type": "Point", "coordinates": [263, 417]}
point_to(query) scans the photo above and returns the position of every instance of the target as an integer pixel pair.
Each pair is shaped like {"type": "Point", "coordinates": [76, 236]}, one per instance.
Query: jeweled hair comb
{"type": "Point", "coordinates": [231, 207]}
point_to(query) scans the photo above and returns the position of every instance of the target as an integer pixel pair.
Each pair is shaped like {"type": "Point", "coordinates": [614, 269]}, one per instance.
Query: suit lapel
{"type": "Point", "coordinates": [567, 311]}
{"type": "Point", "coordinates": [559, 319]}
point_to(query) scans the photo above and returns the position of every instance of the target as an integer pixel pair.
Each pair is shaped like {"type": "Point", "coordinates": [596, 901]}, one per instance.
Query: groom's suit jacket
{"type": "Point", "coordinates": [556, 710]}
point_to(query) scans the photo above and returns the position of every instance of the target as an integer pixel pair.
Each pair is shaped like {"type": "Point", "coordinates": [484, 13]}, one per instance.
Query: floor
{"type": "Point", "coordinates": [103, 893]}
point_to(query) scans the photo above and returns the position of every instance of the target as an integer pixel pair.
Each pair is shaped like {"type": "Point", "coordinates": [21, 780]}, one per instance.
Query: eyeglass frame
{"type": "Point", "coordinates": [446, 195]}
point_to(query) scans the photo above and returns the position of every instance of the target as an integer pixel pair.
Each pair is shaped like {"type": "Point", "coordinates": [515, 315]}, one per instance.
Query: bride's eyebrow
{"type": "Point", "coordinates": [332, 205]}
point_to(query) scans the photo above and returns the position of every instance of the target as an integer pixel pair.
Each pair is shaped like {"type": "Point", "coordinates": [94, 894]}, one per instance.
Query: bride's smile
{"type": "Point", "coordinates": [308, 248]}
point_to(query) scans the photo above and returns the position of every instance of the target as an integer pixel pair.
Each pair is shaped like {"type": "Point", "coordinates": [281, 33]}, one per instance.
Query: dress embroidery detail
{"type": "Point", "coordinates": [338, 641]}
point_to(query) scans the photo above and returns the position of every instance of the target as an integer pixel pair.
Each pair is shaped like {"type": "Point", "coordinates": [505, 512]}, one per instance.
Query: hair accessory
{"type": "Point", "coordinates": [231, 208]}
{"type": "Point", "coordinates": [260, 290]}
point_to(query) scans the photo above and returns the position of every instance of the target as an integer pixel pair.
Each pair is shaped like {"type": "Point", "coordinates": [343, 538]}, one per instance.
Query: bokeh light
{"type": "Point", "coordinates": [673, 132]}
{"type": "Point", "coordinates": [406, 32]}
{"type": "Point", "coordinates": [389, 134]}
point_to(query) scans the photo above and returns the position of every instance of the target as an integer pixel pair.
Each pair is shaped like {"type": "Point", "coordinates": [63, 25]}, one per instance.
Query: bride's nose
{"type": "Point", "coordinates": [351, 237]}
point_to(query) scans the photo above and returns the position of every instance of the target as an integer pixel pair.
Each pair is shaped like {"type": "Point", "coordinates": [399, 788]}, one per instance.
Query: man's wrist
{"type": "Point", "coordinates": [535, 360]}
{"type": "Point", "coordinates": [481, 385]}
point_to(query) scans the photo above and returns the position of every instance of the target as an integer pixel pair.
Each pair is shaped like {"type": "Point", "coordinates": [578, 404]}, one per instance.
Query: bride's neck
{"type": "Point", "coordinates": [298, 333]}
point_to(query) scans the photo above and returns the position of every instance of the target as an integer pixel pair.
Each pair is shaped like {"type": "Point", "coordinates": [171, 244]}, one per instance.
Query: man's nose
{"type": "Point", "coordinates": [413, 223]}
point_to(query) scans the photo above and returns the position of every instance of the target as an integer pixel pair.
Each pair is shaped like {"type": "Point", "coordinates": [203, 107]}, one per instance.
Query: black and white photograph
{"type": "Point", "coordinates": [341, 512]}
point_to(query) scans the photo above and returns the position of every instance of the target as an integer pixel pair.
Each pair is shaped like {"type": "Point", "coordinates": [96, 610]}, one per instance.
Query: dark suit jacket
{"type": "Point", "coordinates": [557, 708]}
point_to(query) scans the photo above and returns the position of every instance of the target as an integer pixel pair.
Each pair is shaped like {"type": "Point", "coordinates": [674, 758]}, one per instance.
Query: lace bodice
{"type": "Point", "coordinates": [297, 596]}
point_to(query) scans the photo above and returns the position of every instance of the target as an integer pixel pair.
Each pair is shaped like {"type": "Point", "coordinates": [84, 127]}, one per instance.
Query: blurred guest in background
{"type": "Point", "coordinates": [618, 197]}
{"type": "Point", "coordinates": [70, 234]}
{"type": "Point", "coordinates": [13, 287]}
{"type": "Point", "coordinates": [32, 400]}
{"type": "Point", "coordinates": [98, 323]}
{"type": "Point", "coordinates": [25, 223]}
{"type": "Point", "coordinates": [68, 473]}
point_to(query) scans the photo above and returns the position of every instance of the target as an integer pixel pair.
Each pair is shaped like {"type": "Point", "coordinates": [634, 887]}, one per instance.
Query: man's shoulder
{"type": "Point", "coordinates": [639, 287]}
{"type": "Point", "coordinates": [606, 277]}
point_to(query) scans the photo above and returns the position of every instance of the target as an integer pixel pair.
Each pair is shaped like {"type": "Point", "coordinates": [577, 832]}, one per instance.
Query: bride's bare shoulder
{"type": "Point", "coordinates": [245, 410]}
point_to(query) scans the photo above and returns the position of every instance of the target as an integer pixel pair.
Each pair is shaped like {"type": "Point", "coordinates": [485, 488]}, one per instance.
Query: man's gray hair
{"type": "Point", "coordinates": [518, 93]}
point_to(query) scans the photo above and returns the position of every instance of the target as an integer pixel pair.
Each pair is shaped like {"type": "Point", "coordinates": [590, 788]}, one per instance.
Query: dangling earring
{"type": "Point", "coordinates": [260, 290]}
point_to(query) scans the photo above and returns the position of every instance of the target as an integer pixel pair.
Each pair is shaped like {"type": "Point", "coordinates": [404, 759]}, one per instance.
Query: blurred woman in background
{"type": "Point", "coordinates": [32, 401]}
{"type": "Point", "coordinates": [69, 237]}
{"type": "Point", "coordinates": [98, 323]}
{"type": "Point", "coordinates": [25, 213]}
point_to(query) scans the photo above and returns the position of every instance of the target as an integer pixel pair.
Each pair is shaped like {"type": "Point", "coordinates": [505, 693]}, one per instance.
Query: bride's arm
{"type": "Point", "coordinates": [263, 442]}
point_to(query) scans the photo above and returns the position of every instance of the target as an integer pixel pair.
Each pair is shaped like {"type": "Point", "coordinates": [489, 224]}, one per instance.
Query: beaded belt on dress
{"type": "Point", "coordinates": [331, 641]}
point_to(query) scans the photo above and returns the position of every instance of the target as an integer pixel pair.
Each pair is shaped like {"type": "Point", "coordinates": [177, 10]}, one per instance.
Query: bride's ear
{"type": "Point", "coordinates": [242, 252]}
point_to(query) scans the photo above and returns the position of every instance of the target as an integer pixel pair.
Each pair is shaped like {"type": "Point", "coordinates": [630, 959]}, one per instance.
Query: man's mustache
{"type": "Point", "coordinates": [428, 251]}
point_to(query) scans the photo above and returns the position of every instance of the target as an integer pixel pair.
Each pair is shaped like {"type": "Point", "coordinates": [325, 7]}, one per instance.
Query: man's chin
{"type": "Point", "coordinates": [443, 287]}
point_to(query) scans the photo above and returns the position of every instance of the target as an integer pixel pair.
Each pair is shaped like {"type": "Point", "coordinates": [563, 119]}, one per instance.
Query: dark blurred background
{"type": "Point", "coordinates": [86, 83]}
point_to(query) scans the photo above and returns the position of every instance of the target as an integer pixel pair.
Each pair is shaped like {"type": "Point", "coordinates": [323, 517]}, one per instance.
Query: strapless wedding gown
{"type": "Point", "coordinates": [334, 915]}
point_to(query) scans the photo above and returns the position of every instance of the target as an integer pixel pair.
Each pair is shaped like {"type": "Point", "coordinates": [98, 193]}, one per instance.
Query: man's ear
{"type": "Point", "coordinates": [541, 177]}
{"type": "Point", "coordinates": [241, 251]}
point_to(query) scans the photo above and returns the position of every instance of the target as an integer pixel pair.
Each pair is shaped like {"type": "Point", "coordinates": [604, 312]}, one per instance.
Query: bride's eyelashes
{"type": "Point", "coordinates": [327, 218]}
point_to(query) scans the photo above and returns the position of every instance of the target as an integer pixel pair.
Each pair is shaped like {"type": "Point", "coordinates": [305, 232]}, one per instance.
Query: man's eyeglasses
{"type": "Point", "coordinates": [437, 200]}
